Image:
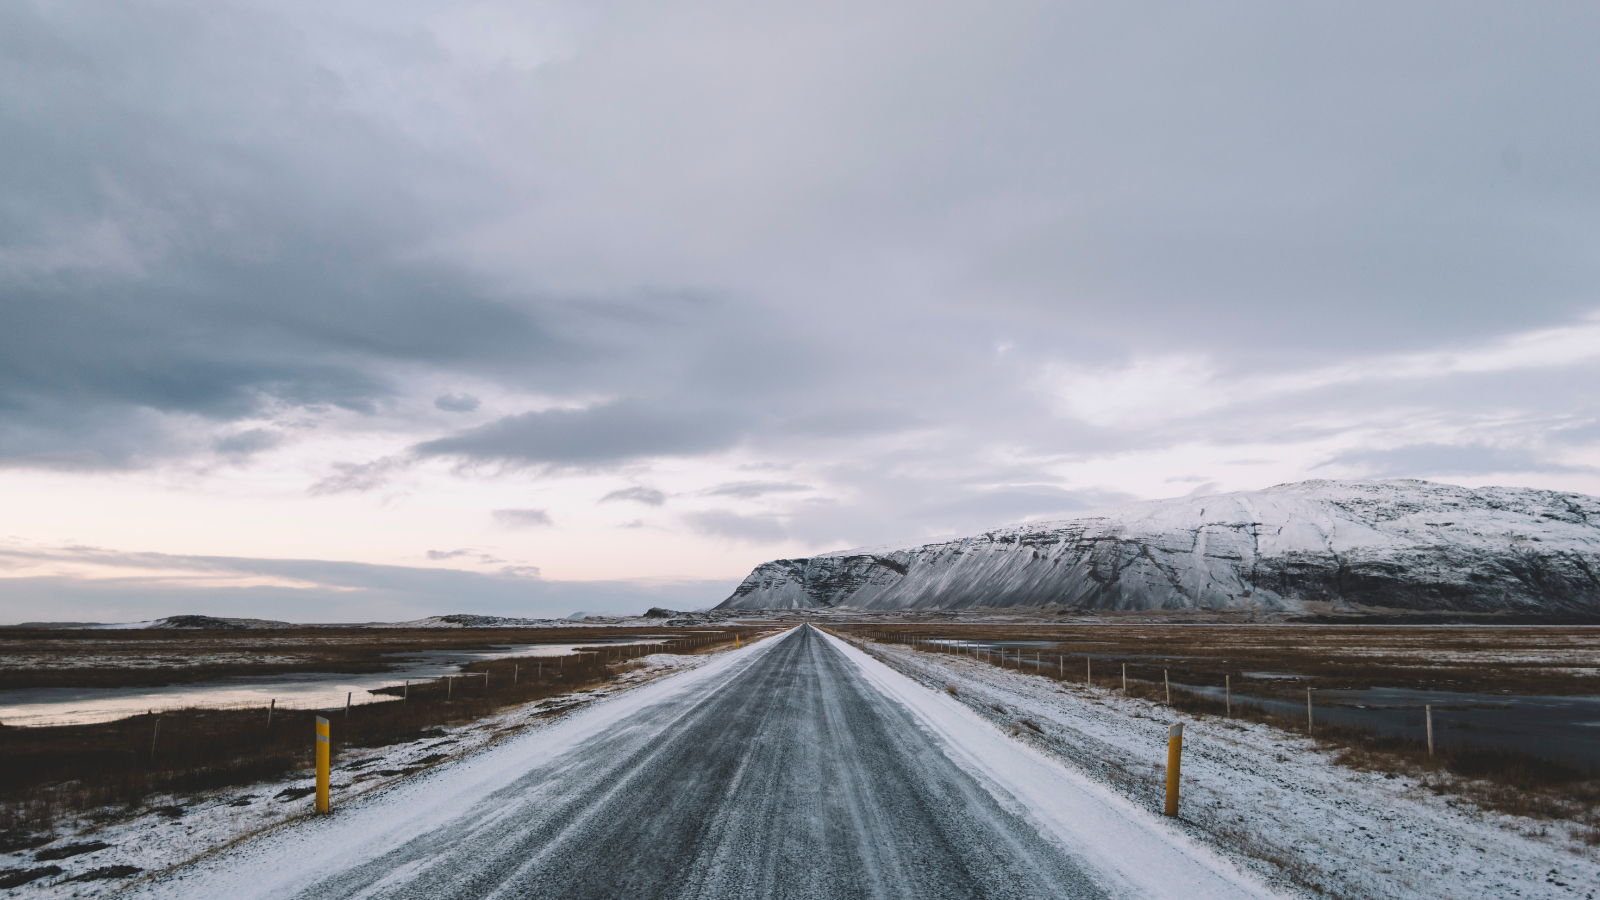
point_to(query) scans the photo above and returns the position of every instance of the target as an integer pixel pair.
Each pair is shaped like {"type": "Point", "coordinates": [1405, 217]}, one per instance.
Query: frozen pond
{"type": "Point", "coordinates": [312, 690]}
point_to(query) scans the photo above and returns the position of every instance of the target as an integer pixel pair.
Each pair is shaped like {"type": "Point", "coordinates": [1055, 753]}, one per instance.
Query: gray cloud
{"type": "Point", "coordinates": [638, 494]}
{"type": "Point", "coordinates": [461, 403]}
{"type": "Point", "coordinates": [1418, 460]}
{"type": "Point", "coordinates": [245, 443]}
{"type": "Point", "coordinates": [998, 506]}
{"type": "Point", "coordinates": [359, 477]}
{"type": "Point", "coordinates": [725, 523]}
{"type": "Point", "coordinates": [602, 435]}
{"type": "Point", "coordinates": [522, 518]}
{"type": "Point", "coordinates": [747, 490]}
{"type": "Point", "coordinates": [825, 249]}
{"type": "Point", "coordinates": [478, 555]}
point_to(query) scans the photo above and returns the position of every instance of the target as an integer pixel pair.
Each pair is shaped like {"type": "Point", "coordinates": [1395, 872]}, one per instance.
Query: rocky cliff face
{"type": "Point", "coordinates": [1397, 544]}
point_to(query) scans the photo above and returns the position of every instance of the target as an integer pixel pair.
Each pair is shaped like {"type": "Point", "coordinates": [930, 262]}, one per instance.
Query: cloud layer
{"type": "Point", "coordinates": [859, 273]}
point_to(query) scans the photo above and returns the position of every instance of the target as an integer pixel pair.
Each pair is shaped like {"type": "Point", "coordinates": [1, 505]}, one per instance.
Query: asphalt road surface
{"type": "Point", "coordinates": [785, 774]}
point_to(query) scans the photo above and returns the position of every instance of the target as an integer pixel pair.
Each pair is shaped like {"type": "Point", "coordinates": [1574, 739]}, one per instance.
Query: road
{"type": "Point", "coordinates": [786, 771]}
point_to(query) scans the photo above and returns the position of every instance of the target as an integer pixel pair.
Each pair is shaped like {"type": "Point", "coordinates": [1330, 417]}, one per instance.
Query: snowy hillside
{"type": "Point", "coordinates": [1397, 544]}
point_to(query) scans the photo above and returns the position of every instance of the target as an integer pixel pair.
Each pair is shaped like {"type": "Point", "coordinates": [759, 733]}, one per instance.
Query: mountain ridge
{"type": "Point", "coordinates": [1393, 544]}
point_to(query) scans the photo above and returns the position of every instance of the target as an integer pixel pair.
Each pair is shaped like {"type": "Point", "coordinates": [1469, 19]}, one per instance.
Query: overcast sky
{"type": "Point", "coordinates": [356, 311]}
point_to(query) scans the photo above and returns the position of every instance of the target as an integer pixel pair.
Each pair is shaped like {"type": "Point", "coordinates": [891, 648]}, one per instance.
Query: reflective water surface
{"type": "Point", "coordinates": [77, 706]}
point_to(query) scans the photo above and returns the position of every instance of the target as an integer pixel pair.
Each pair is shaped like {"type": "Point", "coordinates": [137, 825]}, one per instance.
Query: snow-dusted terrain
{"type": "Point", "coordinates": [1314, 545]}
{"type": "Point", "coordinates": [793, 768]}
{"type": "Point", "coordinates": [1256, 791]}
{"type": "Point", "coordinates": [801, 767]}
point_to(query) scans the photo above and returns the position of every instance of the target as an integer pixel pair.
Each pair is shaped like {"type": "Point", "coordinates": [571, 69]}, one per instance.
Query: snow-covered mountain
{"type": "Point", "coordinates": [1399, 544]}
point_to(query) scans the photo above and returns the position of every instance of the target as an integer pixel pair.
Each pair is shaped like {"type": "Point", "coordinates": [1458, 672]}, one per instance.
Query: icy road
{"type": "Point", "coordinates": [795, 768]}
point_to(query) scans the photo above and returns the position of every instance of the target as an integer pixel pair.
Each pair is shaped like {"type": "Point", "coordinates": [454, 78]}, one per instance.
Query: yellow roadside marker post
{"type": "Point", "coordinates": [322, 764]}
{"type": "Point", "coordinates": [1174, 764]}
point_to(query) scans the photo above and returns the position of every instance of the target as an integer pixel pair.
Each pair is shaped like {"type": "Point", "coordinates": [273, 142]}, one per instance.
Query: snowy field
{"type": "Point", "coordinates": [801, 767]}
{"type": "Point", "coordinates": [1260, 793]}
{"type": "Point", "coordinates": [795, 768]}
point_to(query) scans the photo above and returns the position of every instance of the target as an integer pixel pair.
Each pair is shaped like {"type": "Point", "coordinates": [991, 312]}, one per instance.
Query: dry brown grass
{"type": "Point", "coordinates": [1544, 659]}
{"type": "Point", "coordinates": [35, 658]}
{"type": "Point", "coordinates": [51, 772]}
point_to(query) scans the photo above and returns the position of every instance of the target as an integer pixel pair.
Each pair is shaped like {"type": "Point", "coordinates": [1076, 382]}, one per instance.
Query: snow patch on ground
{"type": "Point", "coordinates": [1261, 794]}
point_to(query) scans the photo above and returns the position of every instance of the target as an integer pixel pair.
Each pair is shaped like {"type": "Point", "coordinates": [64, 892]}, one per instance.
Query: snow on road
{"type": "Point", "coordinates": [1260, 792]}
{"type": "Point", "coordinates": [795, 768]}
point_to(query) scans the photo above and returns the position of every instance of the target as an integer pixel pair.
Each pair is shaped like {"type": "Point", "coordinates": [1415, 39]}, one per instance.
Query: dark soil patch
{"type": "Point", "coordinates": [10, 878]}
{"type": "Point", "coordinates": [69, 851]}
{"type": "Point", "coordinates": [105, 872]}
{"type": "Point", "coordinates": [12, 841]}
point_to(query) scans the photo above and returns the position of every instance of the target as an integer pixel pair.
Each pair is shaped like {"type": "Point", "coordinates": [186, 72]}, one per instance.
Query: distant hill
{"type": "Point", "coordinates": [213, 623]}
{"type": "Point", "coordinates": [1309, 546]}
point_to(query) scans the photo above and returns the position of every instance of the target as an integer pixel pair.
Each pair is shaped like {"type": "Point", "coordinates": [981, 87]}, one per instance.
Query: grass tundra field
{"type": "Point", "coordinates": [55, 772]}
